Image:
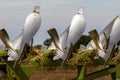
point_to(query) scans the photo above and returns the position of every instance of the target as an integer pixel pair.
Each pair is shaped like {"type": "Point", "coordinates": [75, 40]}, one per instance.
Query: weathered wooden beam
{"type": "Point", "coordinates": [100, 73]}
{"type": "Point", "coordinates": [82, 70]}
{"type": "Point", "coordinates": [11, 75]}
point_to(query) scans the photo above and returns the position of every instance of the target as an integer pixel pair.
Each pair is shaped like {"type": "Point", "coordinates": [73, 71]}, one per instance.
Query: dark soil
{"type": "Point", "coordinates": [2, 75]}
{"type": "Point", "coordinates": [54, 74]}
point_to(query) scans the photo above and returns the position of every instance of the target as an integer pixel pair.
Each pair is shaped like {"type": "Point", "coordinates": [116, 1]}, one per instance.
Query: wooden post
{"type": "Point", "coordinates": [81, 72]}
{"type": "Point", "coordinates": [113, 75]}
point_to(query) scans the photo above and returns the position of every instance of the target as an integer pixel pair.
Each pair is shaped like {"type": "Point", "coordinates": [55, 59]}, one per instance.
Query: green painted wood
{"type": "Point", "coordinates": [100, 73]}
{"type": "Point", "coordinates": [113, 75]}
{"type": "Point", "coordinates": [118, 72]}
{"type": "Point", "coordinates": [25, 71]}
{"type": "Point", "coordinates": [81, 72]}
{"type": "Point", "coordinates": [11, 75]}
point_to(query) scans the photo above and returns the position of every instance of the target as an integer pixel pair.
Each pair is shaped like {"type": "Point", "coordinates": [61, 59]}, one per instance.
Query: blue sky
{"type": "Point", "coordinates": [56, 14]}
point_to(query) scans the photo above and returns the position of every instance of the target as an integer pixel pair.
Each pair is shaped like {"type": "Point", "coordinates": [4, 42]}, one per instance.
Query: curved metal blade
{"type": "Point", "coordinates": [112, 38]}
{"type": "Point", "coordinates": [109, 27]}
{"type": "Point", "coordinates": [95, 37]}
{"type": "Point", "coordinates": [103, 35]}
{"type": "Point", "coordinates": [17, 41]}
{"type": "Point", "coordinates": [64, 37]}
{"type": "Point", "coordinates": [60, 55]}
{"type": "Point", "coordinates": [5, 38]}
{"type": "Point", "coordinates": [32, 25]}
{"type": "Point", "coordinates": [107, 41]}
{"type": "Point", "coordinates": [55, 38]}
{"type": "Point", "coordinates": [63, 40]}
{"type": "Point", "coordinates": [52, 46]}
{"type": "Point", "coordinates": [12, 55]}
{"type": "Point", "coordinates": [77, 27]}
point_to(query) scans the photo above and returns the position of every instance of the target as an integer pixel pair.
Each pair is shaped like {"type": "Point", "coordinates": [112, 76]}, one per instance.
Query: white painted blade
{"type": "Point", "coordinates": [102, 54]}
{"type": "Point", "coordinates": [55, 38]}
{"type": "Point", "coordinates": [11, 50]}
{"type": "Point", "coordinates": [5, 38]}
{"type": "Point", "coordinates": [114, 36]}
{"type": "Point", "coordinates": [107, 31]}
{"type": "Point", "coordinates": [17, 41]}
{"type": "Point", "coordinates": [32, 25]}
{"type": "Point", "coordinates": [95, 37]}
{"type": "Point", "coordinates": [59, 55]}
{"type": "Point", "coordinates": [63, 38]}
{"type": "Point", "coordinates": [10, 59]}
{"type": "Point", "coordinates": [76, 29]}
{"type": "Point", "coordinates": [99, 48]}
{"type": "Point", "coordinates": [115, 33]}
{"type": "Point", "coordinates": [52, 46]}
{"type": "Point", "coordinates": [62, 42]}
{"type": "Point", "coordinates": [12, 54]}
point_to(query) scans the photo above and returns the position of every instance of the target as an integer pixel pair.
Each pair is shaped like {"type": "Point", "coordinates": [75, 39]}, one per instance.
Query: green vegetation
{"type": "Point", "coordinates": [47, 42]}
{"type": "Point", "coordinates": [34, 57]}
{"type": "Point", "coordinates": [37, 58]}
{"type": "Point", "coordinates": [82, 57]}
{"type": "Point", "coordinates": [42, 57]}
